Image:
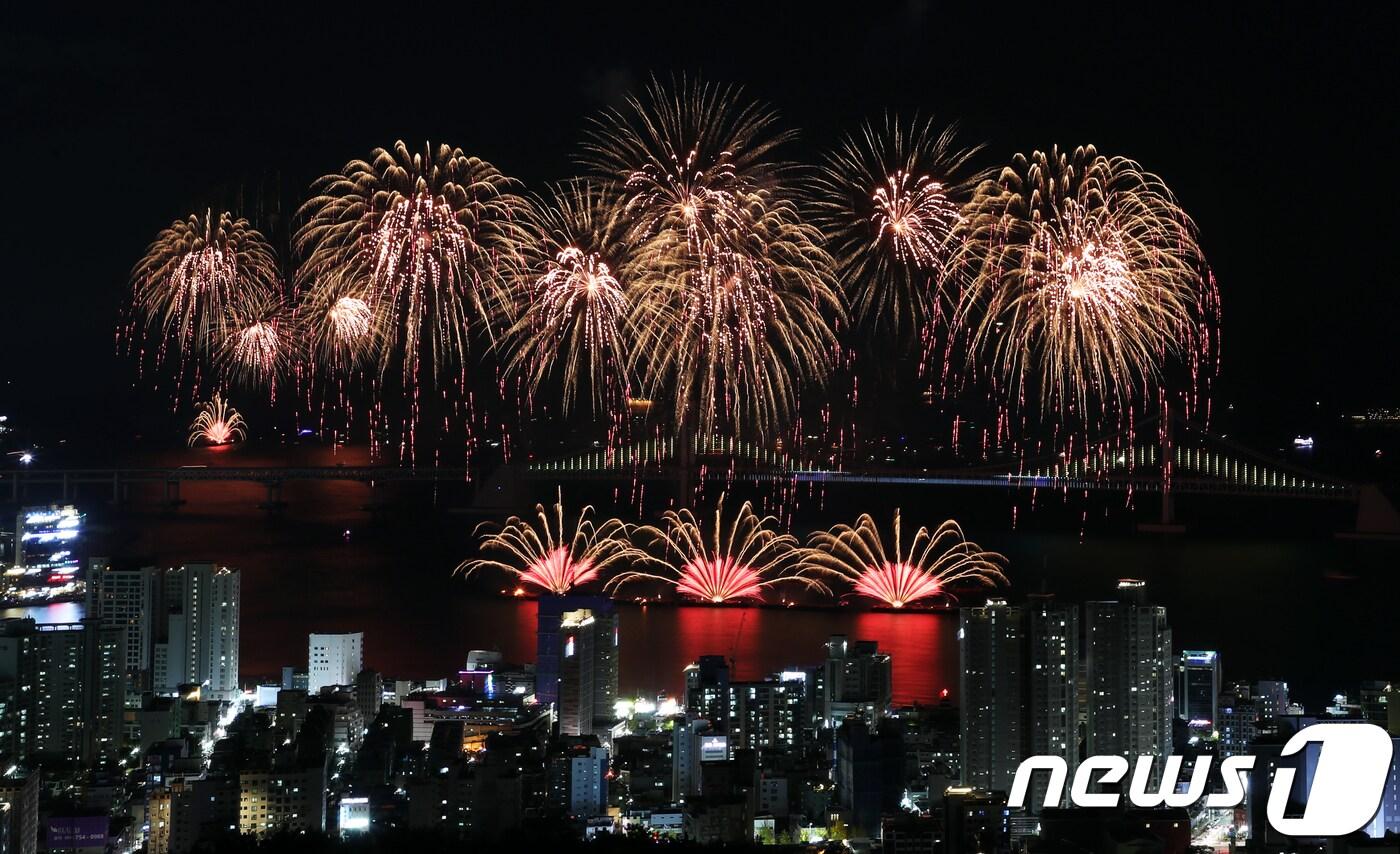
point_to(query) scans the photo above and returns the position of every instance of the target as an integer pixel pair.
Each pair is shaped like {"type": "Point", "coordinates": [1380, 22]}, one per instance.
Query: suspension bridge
{"type": "Point", "coordinates": [1180, 459]}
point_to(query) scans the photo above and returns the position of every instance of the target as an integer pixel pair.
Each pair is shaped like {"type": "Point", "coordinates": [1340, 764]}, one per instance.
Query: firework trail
{"type": "Point", "coordinates": [405, 254]}
{"type": "Point", "coordinates": [888, 200]}
{"type": "Point", "coordinates": [573, 307]}
{"type": "Point", "coordinates": [260, 341]}
{"type": "Point", "coordinates": [555, 558]}
{"type": "Point", "coordinates": [1084, 280]}
{"type": "Point", "coordinates": [340, 328]}
{"type": "Point", "coordinates": [730, 562]}
{"type": "Point", "coordinates": [732, 295]}
{"type": "Point", "coordinates": [194, 272]}
{"type": "Point", "coordinates": [927, 566]}
{"type": "Point", "coordinates": [217, 423]}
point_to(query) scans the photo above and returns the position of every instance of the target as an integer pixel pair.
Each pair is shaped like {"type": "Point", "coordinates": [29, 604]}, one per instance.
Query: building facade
{"type": "Point", "coordinates": [199, 644]}
{"type": "Point", "coordinates": [1128, 672]}
{"type": "Point", "coordinates": [333, 659]}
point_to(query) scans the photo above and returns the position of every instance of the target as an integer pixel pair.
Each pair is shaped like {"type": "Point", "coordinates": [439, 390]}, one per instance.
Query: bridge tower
{"type": "Point", "coordinates": [1166, 437]}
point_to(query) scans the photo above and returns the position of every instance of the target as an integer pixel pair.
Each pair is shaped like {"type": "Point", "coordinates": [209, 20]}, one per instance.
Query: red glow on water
{"type": "Point", "coordinates": [657, 643]}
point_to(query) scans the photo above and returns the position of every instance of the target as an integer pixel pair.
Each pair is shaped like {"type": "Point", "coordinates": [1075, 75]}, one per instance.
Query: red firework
{"type": "Point", "coordinates": [928, 566]}
{"type": "Point", "coordinates": [729, 561]}
{"type": "Point", "coordinates": [717, 580]}
{"type": "Point", "coordinates": [898, 584]}
{"type": "Point", "coordinates": [557, 572]}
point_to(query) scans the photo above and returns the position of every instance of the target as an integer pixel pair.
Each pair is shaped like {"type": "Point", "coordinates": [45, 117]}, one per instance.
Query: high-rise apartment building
{"type": "Point", "coordinates": [587, 670]}
{"type": "Point", "coordinates": [1128, 669]}
{"type": "Point", "coordinates": [991, 640]}
{"type": "Point", "coordinates": [766, 714]}
{"type": "Point", "coordinates": [707, 690]}
{"type": "Point", "coordinates": [199, 644]}
{"type": "Point", "coordinates": [126, 598]}
{"type": "Point", "coordinates": [64, 690]}
{"type": "Point", "coordinates": [1052, 638]}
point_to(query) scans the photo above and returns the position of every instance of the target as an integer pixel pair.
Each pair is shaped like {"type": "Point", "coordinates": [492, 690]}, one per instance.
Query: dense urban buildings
{"type": "Point", "coordinates": [808, 753]}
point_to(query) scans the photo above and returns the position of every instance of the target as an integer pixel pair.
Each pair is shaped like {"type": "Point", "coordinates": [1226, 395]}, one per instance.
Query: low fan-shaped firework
{"type": "Point", "coordinates": [732, 295]}
{"type": "Point", "coordinates": [1084, 280]}
{"type": "Point", "coordinates": [552, 555]}
{"type": "Point", "coordinates": [419, 244]}
{"type": "Point", "coordinates": [193, 273]}
{"type": "Point", "coordinates": [898, 572]}
{"type": "Point", "coordinates": [732, 561]}
{"type": "Point", "coordinates": [217, 423]}
{"type": "Point", "coordinates": [888, 200]}
{"type": "Point", "coordinates": [574, 307]}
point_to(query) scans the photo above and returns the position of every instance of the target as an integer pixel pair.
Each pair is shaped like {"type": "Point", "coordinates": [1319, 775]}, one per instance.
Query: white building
{"type": "Point", "coordinates": [334, 659]}
{"type": "Point", "coordinates": [200, 637]}
{"type": "Point", "coordinates": [578, 781]}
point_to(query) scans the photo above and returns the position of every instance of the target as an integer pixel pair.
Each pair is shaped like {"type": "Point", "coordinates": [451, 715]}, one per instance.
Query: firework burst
{"type": "Point", "coordinates": [552, 557]}
{"type": "Point", "coordinates": [732, 295]}
{"type": "Point", "coordinates": [194, 272]}
{"type": "Point", "coordinates": [340, 327]}
{"type": "Point", "coordinates": [1084, 281]}
{"type": "Point", "coordinates": [731, 562]}
{"type": "Point", "coordinates": [217, 423]}
{"type": "Point", "coordinates": [684, 152]}
{"type": "Point", "coordinates": [927, 567]}
{"type": "Point", "coordinates": [406, 253]}
{"type": "Point", "coordinates": [259, 341]}
{"type": "Point", "coordinates": [574, 306]}
{"type": "Point", "coordinates": [888, 200]}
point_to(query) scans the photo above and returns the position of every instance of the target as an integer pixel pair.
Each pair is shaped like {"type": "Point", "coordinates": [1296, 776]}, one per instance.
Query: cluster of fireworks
{"type": "Point", "coordinates": [737, 559]}
{"type": "Point", "coordinates": [696, 266]}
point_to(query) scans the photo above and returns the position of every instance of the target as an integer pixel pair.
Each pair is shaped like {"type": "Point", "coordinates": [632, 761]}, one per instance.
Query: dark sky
{"type": "Point", "coordinates": [1276, 129]}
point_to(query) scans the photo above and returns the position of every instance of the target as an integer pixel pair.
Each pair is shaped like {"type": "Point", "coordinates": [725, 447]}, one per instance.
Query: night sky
{"type": "Point", "coordinates": [1276, 129]}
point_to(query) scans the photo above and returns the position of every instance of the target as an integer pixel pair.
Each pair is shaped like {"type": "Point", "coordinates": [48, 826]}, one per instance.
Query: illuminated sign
{"type": "Point", "coordinates": [78, 832]}
{"type": "Point", "coordinates": [714, 748]}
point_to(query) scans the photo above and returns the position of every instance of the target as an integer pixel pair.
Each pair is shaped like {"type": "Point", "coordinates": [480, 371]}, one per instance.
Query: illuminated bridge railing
{"type": "Point", "coordinates": [1189, 462]}
{"type": "Point", "coordinates": [1141, 482]}
{"type": "Point", "coordinates": [653, 452]}
{"type": "Point", "coordinates": [1195, 470]}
